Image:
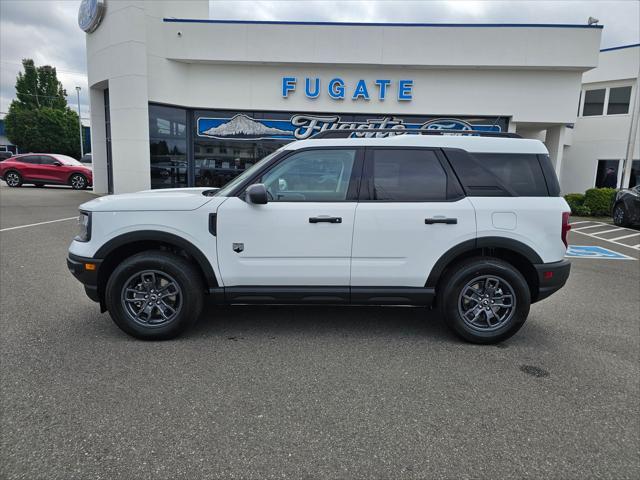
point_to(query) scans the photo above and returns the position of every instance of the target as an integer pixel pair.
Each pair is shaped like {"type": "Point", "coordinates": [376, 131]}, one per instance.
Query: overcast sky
{"type": "Point", "coordinates": [47, 30]}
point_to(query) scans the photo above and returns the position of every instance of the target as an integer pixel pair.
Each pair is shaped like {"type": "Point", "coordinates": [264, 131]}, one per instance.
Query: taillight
{"type": "Point", "coordinates": [566, 226]}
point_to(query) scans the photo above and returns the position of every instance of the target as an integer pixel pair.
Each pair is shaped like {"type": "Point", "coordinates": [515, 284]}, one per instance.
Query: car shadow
{"type": "Point", "coordinates": [295, 320]}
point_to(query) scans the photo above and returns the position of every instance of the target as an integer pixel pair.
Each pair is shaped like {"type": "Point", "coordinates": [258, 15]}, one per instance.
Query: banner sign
{"type": "Point", "coordinates": [242, 126]}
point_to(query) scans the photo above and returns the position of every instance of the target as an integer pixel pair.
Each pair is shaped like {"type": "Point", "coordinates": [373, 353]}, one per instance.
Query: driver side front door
{"type": "Point", "coordinates": [302, 236]}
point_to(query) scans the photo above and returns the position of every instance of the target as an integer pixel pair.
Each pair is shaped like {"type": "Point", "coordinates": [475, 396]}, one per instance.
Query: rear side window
{"type": "Point", "coordinates": [500, 174]}
{"type": "Point", "coordinates": [29, 159]}
{"type": "Point", "coordinates": [520, 172]}
{"type": "Point", "coordinates": [399, 175]}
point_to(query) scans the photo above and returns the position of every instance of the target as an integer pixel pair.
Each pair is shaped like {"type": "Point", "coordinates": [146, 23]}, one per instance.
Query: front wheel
{"type": "Point", "coordinates": [484, 300]}
{"type": "Point", "coordinates": [154, 295]}
{"type": "Point", "coordinates": [620, 217]}
{"type": "Point", "coordinates": [78, 181]}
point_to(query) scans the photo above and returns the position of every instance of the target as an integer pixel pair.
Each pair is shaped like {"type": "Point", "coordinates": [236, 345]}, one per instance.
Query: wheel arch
{"type": "Point", "coordinates": [521, 256]}
{"type": "Point", "coordinates": [123, 246]}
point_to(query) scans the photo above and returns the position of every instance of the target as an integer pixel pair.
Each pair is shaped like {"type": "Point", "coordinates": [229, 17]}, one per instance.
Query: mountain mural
{"type": "Point", "coordinates": [243, 126]}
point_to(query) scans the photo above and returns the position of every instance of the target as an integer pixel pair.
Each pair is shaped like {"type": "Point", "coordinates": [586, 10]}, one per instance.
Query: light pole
{"type": "Point", "coordinates": [80, 123]}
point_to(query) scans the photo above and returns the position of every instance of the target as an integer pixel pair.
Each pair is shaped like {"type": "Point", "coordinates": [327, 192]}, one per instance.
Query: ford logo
{"type": "Point", "coordinates": [90, 14]}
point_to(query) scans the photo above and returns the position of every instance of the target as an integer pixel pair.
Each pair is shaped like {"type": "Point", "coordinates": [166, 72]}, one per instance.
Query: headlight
{"type": "Point", "coordinates": [84, 227]}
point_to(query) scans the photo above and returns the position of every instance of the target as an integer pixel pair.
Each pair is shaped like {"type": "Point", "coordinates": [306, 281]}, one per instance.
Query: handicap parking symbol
{"type": "Point", "coordinates": [593, 251]}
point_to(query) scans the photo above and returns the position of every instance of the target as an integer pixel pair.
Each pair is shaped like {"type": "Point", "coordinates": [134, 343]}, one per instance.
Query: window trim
{"type": "Point", "coordinates": [354, 181]}
{"type": "Point", "coordinates": [367, 177]}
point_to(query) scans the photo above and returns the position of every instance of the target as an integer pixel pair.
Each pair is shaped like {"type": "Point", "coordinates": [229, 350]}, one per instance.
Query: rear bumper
{"type": "Point", "coordinates": [551, 278]}
{"type": "Point", "coordinates": [89, 278]}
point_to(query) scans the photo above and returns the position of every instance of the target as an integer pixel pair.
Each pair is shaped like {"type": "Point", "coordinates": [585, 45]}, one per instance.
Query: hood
{"type": "Point", "coordinates": [168, 199]}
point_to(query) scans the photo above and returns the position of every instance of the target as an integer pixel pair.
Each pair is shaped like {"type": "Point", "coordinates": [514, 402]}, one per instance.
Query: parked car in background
{"type": "Point", "coordinates": [42, 169]}
{"type": "Point", "coordinates": [87, 158]}
{"type": "Point", "coordinates": [626, 207]}
{"type": "Point", "coordinates": [5, 155]}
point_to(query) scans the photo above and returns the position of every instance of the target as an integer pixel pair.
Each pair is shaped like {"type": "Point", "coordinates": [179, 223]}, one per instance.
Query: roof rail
{"type": "Point", "coordinates": [347, 132]}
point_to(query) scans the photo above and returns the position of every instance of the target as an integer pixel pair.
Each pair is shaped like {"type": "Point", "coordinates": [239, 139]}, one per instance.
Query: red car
{"type": "Point", "coordinates": [45, 169]}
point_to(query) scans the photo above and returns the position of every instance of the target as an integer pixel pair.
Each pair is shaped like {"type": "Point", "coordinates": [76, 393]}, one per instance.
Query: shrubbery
{"type": "Point", "coordinates": [594, 202]}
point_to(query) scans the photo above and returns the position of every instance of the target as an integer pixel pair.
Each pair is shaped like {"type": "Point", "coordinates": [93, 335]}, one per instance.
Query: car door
{"type": "Point", "coordinates": [411, 211]}
{"type": "Point", "coordinates": [28, 166]}
{"type": "Point", "coordinates": [302, 236]}
{"type": "Point", "coordinates": [49, 170]}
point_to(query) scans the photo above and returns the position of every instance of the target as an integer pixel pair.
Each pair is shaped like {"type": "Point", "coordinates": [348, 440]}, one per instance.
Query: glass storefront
{"type": "Point", "coordinates": [210, 147]}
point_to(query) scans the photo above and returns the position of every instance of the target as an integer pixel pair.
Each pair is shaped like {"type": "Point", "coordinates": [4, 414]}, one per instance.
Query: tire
{"type": "Point", "coordinates": [125, 295]}
{"type": "Point", "coordinates": [473, 274]}
{"type": "Point", "coordinates": [13, 179]}
{"type": "Point", "coordinates": [619, 215]}
{"type": "Point", "coordinates": [78, 181]}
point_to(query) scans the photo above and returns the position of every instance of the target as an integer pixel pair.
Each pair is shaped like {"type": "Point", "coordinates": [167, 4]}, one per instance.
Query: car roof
{"type": "Point", "coordinates": [465, 142]}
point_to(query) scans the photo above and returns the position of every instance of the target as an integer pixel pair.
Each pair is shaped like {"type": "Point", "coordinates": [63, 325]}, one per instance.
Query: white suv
{"type": "Point", "coordinates": [471, 224]}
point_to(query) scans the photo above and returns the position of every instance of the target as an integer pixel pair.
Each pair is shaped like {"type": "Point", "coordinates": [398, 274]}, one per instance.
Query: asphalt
{"type": "Point", "coordinates": [316, 392]}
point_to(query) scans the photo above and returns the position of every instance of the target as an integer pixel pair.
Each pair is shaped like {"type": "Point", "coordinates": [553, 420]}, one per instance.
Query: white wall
{"type": "Point", "coordinates": [529, 74]}
{"type": "Point", "coordinates": [602, 137]}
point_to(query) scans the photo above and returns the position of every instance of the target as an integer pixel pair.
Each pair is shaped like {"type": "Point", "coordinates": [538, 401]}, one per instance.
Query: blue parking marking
{"type": "Point", "coordinates": [593, 251]}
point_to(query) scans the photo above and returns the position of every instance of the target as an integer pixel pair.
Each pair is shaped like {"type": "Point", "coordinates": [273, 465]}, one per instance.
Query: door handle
{"type": "Point", "coordinates": [324, 219]}
{"type": "Point", "coordinates": [447, 221]}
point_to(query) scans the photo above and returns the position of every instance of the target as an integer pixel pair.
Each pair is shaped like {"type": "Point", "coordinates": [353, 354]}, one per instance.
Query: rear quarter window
{"type": "Point", "coordinates": [500, 174]}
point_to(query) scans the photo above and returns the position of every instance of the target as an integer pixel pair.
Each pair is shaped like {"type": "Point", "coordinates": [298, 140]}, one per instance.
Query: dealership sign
{"type": "Point", "coordinates": [301, 126]}
{"type": "Point", "coordinates": [338, 89]}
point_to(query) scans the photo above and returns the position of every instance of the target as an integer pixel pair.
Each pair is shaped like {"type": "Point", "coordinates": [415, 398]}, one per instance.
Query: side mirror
{"type": "Point", "coordinates": [57, 164]}
{"type": "Point", "coordinates": [257, 194]}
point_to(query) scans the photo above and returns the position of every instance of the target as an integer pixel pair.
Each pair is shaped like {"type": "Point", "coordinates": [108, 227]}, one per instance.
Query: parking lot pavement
{"type": "Point", "coordinates": [290, 392]}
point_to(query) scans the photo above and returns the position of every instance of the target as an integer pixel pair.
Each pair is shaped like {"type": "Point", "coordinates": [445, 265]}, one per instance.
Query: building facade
{"type": "Point", "coordinates": [180, 100]}
{"type": "Point", "coordinates": [604, 148]}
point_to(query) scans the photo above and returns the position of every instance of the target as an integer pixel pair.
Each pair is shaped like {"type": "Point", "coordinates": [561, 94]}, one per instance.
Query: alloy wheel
{"type": "Point", "coordinates": [486, 303]}
{"type": "Point", "coordinates": [12, 179]}
{"type": "Point", "coordinates": [78, 182]}
{"type": "Point", "coordinates": [151, 298]}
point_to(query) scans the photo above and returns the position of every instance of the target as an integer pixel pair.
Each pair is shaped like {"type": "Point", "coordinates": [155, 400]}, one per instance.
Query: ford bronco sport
{"type": "Point", "coordinates": [471, 224]}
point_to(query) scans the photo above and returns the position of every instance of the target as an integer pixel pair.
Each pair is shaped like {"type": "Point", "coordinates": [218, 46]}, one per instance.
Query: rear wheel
{"type": "Point", "coordinates": [620, 217]}
{"type": "Point", "coordinates": [78, 181]}
{"type": "Point", "coordinates": [13, 179]}
{"type": "Point", "coordinates": [154, 295]}
{"type": "Point", "coordinates": [484, 300]}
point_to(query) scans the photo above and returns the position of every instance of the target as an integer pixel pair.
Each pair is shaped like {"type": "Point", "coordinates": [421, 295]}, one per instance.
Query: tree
{"type": "Point", "coordinates": [39, 119]}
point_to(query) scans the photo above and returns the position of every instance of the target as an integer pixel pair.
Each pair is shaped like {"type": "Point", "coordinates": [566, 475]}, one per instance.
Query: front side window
{"type": "Point", "coordinates": [593, 102]}
{"type": "Point", "coordinates": [407, 176]}
{"type": "Point", "coordinates": [619, 99]}
{"type": "Point", "coordinates": [46, 160]}
{"type": "Point", "coordinates": [311, 176]}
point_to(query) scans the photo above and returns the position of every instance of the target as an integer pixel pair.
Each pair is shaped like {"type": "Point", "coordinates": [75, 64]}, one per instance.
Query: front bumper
{"type": "Point", "coordinates": [86, 271]}
{"type": "Point", "coordinates": [551, 277]}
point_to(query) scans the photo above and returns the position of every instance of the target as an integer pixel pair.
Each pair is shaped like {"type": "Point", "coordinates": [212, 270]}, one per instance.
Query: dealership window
{"type": "Point", "coordinates": [619, 98]}
{"type": "Point", "coordinates": [168, 146]}
{"type": "Point", "coordinates": [408, 176]}
{"type": "Point", "coordinates": [593, 102]}
{"type": "Point", "coordinates": [311, 176]}
{"type": "Point", "coordinates": [634, 179]}
{"type": "Point", "coordinates": [607, 173]}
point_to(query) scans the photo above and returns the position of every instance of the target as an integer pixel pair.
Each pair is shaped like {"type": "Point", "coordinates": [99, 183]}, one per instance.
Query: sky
{"type": "Point", "coordinates": [47, 30]}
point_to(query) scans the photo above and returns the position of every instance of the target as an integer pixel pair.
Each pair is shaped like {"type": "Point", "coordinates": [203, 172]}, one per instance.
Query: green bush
{"type": "Point", "coordinates": [599, 200]}
{"type": "Point", "coordinates": [581, 211]}
{"type": "Point", "coordinates": [575, 200]}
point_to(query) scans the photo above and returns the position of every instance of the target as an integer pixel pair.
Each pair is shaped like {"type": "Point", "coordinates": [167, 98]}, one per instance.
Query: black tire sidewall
{"type": "Point", "coordinates": [466, 271]}
{"type": "Point", "coordinates": [177, 267]}
{"type": "Point", "coordinates": [624, 222]}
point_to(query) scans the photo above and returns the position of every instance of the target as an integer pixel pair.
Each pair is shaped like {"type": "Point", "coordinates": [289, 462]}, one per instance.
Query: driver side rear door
{"type": "Point", "coordinates": [302, 236]}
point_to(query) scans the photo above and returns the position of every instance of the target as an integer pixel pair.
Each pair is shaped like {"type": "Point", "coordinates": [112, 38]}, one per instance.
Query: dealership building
{"type": "Point", "coordinates": [181, 100]}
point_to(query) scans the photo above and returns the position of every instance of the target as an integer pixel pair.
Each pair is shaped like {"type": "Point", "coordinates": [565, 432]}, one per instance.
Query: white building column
{"type": "Point", "coordinates": [555, 144]}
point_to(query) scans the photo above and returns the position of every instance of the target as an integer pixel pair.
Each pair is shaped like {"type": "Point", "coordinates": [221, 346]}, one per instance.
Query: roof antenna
{"type": "Point", "coordinates": [592, 21]}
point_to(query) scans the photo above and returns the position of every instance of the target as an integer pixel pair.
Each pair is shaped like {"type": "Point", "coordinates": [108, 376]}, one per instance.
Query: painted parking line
{"type": "Point", "coordinates": [607, 231]}
{"type": "Point", "coordinates": [39, 223]}
{"type": "Point", "coordinates": [610, 240]}
{"type": "Point", "coordinates": [625, 236]}
{"type": "Point", "coordinates": [595, 252]}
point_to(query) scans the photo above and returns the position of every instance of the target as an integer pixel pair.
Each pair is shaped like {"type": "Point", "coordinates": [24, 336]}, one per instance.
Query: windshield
{"type": "Point", "coordinates": [225, 190]}
{"type": "Point", "coordinates": [68, 160]}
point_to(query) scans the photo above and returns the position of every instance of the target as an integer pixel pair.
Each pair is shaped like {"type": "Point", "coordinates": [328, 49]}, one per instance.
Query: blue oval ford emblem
{"type": "Point", "coordinates": [90, 14]}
